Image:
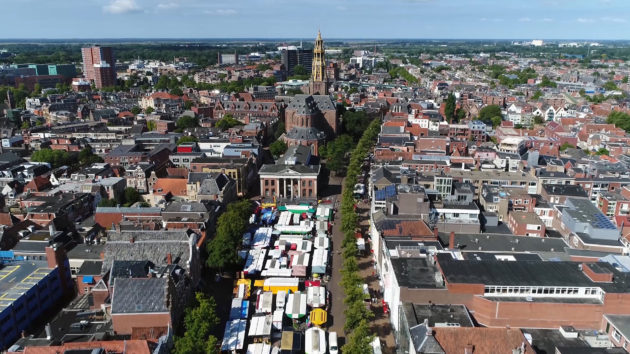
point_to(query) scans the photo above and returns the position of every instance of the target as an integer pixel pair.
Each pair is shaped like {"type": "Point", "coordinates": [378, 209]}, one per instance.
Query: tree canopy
{"type": "Point", "coordinates": [449, 107]}
{"type": "Point", "coordinates": [490, 114]}
{"type": "Point", "coordinates": [227, 122]}
{"type": "Point", "coordinates": [223, 249]}
{"type": "Point", "coordinates": [185, 122]}
{"type": "Point", "coordinates": [55, 158]}
{"type": "Point", "coordinates": [278, 148]}
{"type": "Point", "coordinates": [620, 120]}
{"type": "Point", "coordinates": [200, 321]}
{"type": "Point", "coordinates": [354, 123]}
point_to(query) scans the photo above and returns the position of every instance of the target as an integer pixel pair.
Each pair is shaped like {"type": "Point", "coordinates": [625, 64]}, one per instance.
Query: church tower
{"type": "Point", "coordinates": [318, 83]}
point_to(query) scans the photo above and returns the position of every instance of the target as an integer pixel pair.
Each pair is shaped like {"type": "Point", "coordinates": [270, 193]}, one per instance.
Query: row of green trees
{"type": "Point", "coordinates": [357, 316]}
{"type": "Point", "coordinates": [58, 158]}
{"type": "Point", "coordinates": [231, 225]}
{"type": "Point", "coordinates": [128, 198]}
{"type": "Point", "coordinates": [401, 72]}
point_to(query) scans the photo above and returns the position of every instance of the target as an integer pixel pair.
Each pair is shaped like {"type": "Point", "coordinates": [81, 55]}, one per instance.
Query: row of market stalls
{"type": "Point", "coordinates": [280, 301]}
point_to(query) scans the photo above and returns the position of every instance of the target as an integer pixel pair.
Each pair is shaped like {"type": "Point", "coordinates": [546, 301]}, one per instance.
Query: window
{"type": "Point", "coordinates": [616, 335]}
{"type": "Point", "coordinates": [266, 182]}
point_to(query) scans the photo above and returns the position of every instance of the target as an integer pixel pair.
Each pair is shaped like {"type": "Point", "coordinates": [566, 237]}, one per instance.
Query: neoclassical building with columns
{"type": "Point", "coordinates": [289, 181]}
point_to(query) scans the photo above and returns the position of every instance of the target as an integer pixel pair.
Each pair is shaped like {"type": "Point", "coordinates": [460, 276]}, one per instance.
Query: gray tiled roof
{"type": "Point", "coordinates": [301, 133]}
{"type": "Point", "coordinates": [140, 295]}
{"type": "Point", "coordinates": [152, 246]}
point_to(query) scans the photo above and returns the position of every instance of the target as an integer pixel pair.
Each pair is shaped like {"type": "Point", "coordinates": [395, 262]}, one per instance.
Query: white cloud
{"type": "Point", "coordinates": [524, 19]}
{"type": "Point", "coordinates": [614, 19]}
{"type": "Point", "coordinates": [168, 5]}
{"type": "Point", "coordinates": [547, 19]}
{"type": "Point", "coordinates": [221, 12]}
{"type": "Point", "coordinates": [483, 19]}
{"type": "Point", "coordinates": [121, 7]}
{"type": "Point", "coordinates": [585, 20]}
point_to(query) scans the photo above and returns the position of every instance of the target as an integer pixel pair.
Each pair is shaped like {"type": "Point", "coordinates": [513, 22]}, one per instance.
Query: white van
{"type": "Point", "coordinates": [332, 343]}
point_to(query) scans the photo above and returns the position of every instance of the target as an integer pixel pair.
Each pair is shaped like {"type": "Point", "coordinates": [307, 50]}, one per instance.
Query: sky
{"type": "Point", "coordinates": [370, 19]}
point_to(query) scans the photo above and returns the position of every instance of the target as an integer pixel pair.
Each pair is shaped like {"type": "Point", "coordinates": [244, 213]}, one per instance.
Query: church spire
{"type": "Point", "coordinates": [318, 73]}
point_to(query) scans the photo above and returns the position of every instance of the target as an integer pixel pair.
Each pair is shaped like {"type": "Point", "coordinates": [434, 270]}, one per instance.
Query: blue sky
{"type": "Point", "coordinates": [527, 19]}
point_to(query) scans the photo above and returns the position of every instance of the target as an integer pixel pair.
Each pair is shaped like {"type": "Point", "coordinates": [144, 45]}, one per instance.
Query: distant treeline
{"type": "Point", "coordinates": [202, 54]}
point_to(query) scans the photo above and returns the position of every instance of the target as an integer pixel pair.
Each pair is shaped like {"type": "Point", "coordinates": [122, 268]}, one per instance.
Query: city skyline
{"type": "Point", "coordinates": [399, 19]}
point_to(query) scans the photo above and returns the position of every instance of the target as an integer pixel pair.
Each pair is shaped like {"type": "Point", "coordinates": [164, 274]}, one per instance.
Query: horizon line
{"type": "Point", "coordinates": [302, 38]}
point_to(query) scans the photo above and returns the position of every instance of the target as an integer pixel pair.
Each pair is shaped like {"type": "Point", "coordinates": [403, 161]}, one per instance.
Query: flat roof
{"type": "Point", "coordinates": [415, 273]}
{"type": "Point", "coordinates": [16, 279]}
{"type": "Point", "coordinates": [502, 242]}
{"type": "Point", "coordinates": [433, 313]}
{"type": "Point", "coordinates": [526, 273]}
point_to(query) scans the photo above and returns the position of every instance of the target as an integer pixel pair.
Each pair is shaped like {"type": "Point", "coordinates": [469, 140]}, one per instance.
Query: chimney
{"type": "Point", "coordinates": [169, 258]}
{"type": "Point", "coordinates": [451, 240]}
{"type": "Point", "coordinates": [52, 230]}
{"type": "Point", "coordinates": [435, 232]}
{"type": "Point", "coordinates": [48, 332]}
{"type": "Point", "coordinates": [132, 239]}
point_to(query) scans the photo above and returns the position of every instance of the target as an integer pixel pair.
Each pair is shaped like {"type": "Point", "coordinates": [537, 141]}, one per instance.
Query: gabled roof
{"type": "Point", "coordinates": [140, 296]}
{"type": "Point", "coordinates": [481, 340]}
{"type": "Point", "coordinates": [175, 186]}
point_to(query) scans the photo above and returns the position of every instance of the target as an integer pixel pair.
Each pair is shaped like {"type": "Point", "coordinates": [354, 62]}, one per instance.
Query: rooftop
{"type": "Point", "coordinates": [525, 273]}
{"type": "Point", "coordinates": [415, 273]}
{"type": "Point", "coordinates": [16, 279]}
{"type": "Point", "coordinates": [437, 314]}
{"type": "Point", "coordinates": [144, 295]}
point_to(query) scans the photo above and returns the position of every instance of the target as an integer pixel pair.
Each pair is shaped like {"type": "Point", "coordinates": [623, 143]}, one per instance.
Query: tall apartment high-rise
{"type": "Point", "coordinates": [99, 65]}
{"type": "Point", "coordinates": [293, 56]}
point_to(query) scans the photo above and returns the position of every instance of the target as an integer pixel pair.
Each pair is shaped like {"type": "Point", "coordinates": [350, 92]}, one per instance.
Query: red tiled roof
{"type": "Point", "coordinates": [38, 184]}
{"type": "Point", "coordinates": [119, 346]}
{"type": "Point", "coordinates": [176, 186]}
{"type": "Point", "coordinates": [481, 340]}
{"type": "Point", "coordinates": [414, 228]}
{"type": "Point", "coordinates": [164, 96]}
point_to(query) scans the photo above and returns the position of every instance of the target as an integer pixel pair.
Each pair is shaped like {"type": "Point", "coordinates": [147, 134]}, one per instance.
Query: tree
{"type": "Point", "coordinates": [279, 130]}
{"type": "Point", "coordinates": [278, 148]}
{"type": "Point", "coordinates": [55, 158]}
{"type": "Point", "coordinates": [132, 196]}
{"type": "Point", "coordinates": [537, 95]}
{"type": "Point", "coordinates": [566, 146]}
{"type": "Point", "coordinates": [496, 121]}
{"type": "Point", "coordinates": [186, 122]}
{"type": "Point", "coordinates": [176, 91]}
{"type": "Point", "coordinates": [299, 70]}
{"type": "Point", "coordinates": [538, 120]}
{"type": "Point", "coordinates": [546, 82]}
{"type": "Point", "coordinates": [227, 122]}
{"type": "Point", "coordinates": [105, 202]}
{"type": "Point", "coordinates": [610, 86]}
{"type": "Point", "coordinates": [37, 89]}
{"type": "Point", "coordinates": [263, 67]}
{"type": "Point", "coordinates": [26, 124]}
{"type": "Point", "coordinates": [188, 104]}
{"type": "Point", "coordinates": [187, 139]}
{"type": "Point", "coordinates": [199, 323]}
{"type": "Point", "coordinates": [449, 107]}
{"type": "Point", "coordinates": [135, 110]}
{"type": "Point", "coordinates": [355, 123]}
{"type": "Point", "coordinates": [602, 151]}
{"type": "Point", "coordinates": [359, 340]}
{"type": "Point", "coordinates": [149, 110]}
{"type": "Point", "coordinates": [151, 125]}
{"type": "Point", "coordinates": [620, 120]}
{"type": "Point", "coordinates": [223, 249]}
{"type": "Point", "coordinates": [624, 80]}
